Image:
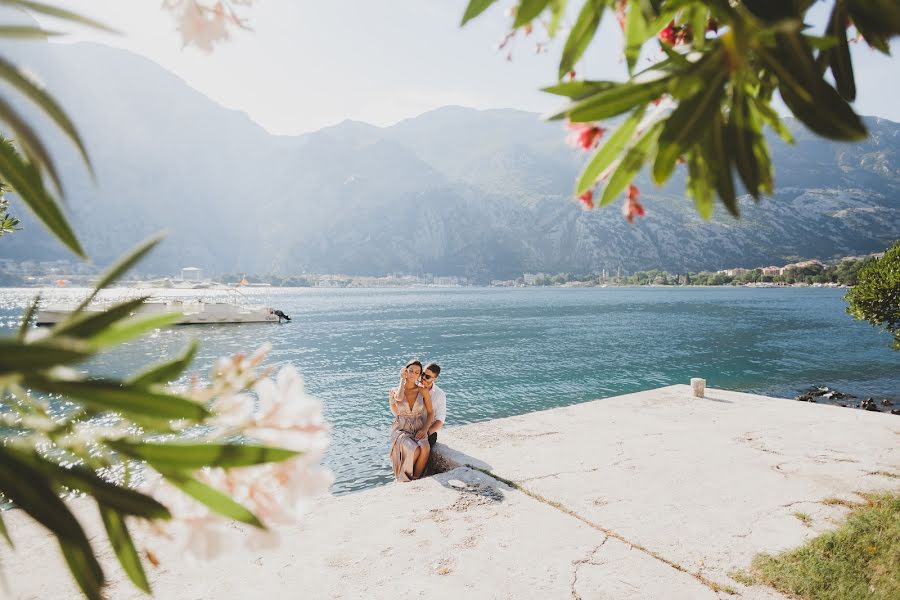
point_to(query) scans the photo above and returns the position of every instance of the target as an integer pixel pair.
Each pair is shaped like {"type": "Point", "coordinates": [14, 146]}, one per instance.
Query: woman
{"type": "Point", "coordinates": [413, 413]}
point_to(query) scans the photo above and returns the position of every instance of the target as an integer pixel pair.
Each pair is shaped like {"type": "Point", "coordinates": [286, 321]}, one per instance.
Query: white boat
{"type": "Point", "coordinates": [195, 311]}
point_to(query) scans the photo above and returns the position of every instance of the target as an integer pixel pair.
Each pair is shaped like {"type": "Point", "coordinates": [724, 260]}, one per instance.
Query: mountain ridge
{"type": "Point", "coordinates": [454, 191]}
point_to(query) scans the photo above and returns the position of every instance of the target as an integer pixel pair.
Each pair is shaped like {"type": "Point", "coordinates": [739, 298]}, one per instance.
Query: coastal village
{"type": "Point", "coordinates": [67, 273]}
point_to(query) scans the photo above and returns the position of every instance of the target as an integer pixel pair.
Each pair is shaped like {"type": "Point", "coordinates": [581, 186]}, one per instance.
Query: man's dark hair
{"type": "Point", "coordinates": [433, 367]}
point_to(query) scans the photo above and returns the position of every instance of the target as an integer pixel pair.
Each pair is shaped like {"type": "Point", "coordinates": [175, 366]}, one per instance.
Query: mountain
{"type": "Point", "coordinates": [455, 191]}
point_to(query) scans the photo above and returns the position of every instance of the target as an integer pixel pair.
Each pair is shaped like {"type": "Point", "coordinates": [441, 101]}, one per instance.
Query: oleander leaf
{"type": "Point", "coordinates": [187, 456]}
{"type": "Point", "coordinates": [123, 545]}
{"type": "Point", "coordinates": [582, 33]}
{"type": "Point", "coordinates": [110, 395]}
{"type": "Point", "coordinates": [167, 371]}
{"type": "Point", "coordinates": [212, 498]}
{"type": "Point", "coordinates": [608, 153]}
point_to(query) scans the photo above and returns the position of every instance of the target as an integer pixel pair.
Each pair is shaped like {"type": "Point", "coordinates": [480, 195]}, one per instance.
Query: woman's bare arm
{"type": "Point", "coordinates": [393, 402]}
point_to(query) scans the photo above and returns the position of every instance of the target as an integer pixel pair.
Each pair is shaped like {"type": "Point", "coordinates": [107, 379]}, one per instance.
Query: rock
{"type": "Point", "coordinates": [805, 398]}
{"type": "Point", "coordinates": [886, 402]}
{"type": "Point", "coordinates": [895, 411]}
{"type": "Point", "coordinates": [869, 404]}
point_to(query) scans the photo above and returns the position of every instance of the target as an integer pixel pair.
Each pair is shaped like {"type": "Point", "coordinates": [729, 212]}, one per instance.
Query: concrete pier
{"type": "Point", "coordinates": [649, 495]}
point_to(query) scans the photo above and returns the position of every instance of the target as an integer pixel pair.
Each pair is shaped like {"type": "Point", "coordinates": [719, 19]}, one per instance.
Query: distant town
{"type": "Point", "coordinates": [62, 273]}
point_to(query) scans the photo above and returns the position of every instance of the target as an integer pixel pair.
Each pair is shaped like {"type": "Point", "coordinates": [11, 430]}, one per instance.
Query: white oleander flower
{"type": "Point", "coordinates": [277, 493]}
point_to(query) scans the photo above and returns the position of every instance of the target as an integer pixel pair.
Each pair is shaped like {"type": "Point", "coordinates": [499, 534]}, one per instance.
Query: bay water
{"type": "Point", "coordinates": [508, 351]}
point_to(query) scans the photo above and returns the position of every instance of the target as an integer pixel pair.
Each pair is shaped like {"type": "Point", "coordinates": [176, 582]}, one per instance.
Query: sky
{"type": "Point", "coordinates": [309, 64]}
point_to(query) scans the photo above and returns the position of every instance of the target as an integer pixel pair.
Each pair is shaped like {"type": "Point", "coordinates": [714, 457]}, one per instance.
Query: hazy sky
{"type": "Point", "coordinates": [309, 64]}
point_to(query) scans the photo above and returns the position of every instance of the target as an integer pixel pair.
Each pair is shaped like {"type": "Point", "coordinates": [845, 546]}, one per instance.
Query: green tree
{"type": "Point", "coordinates": [876, 296]}
{"type": "Point", "coordinates": [8, 223]}
{"type": "Point", "coordinates": [708, 94]}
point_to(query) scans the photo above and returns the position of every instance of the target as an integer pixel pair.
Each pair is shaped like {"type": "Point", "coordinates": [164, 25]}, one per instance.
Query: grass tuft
{"type": "Point", "coordinates": [841, 502]}
{"type": "Point", "coordinates": [861, 559]}
{"type": "Point", "coordinates": [742, 577]}
{"type": "Point", "coordinates": [804, 518]}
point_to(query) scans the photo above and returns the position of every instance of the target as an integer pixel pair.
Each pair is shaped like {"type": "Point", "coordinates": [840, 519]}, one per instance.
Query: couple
{"type": "Point", "coordinates": [420, 408]}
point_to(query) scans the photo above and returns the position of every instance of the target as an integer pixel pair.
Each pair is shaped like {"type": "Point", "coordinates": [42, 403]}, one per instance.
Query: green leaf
{"type": "Point", "coordinates": [558, 10]}
{"type": "Point", "coordinates": [183, 456]}
{"type": "Point", "coordinates": [697, 17]}
{"type": "Point", "coordinates": [32, 492]}
{"type": "Point", "coordinates": [829, 116]}
{"type": "Point", "coordinates": [581, 35]}
{"type": "Point", "coordinates": [18, 356]}
{"type": "Point", "coordinates": [686, 125]}
{"type": "Point", "coordinates": [878, 19]}
{"type": "Point", "coordinates": [604, 157]}
{"type": "Point", "coordinates": [475, 8]}
{"type": "Point", "coordinates": [698, 184]}
{"type": "Point", "coordinates": [826, 113]}
{"type": "Point", "coordinates": [841, 64]}
{"type": "Point", "coordinates": [81, 478]}
{"type": "Point", "coordinates": [11, 74]}
{"type": "Point", "coordinates": [87, 323]}
{"type": "Point", "coordinates": [84, 567]}
{"type": "Point", "coordinates": [166, 371]}
{"type": "Point", "coordinates": [636, 33]}
{"type": "Point", "coordinates": [59, 13]}
{"type": "Point", "coordinates": [128, 329]}
{"type": "Point", "coordinates": [122, 544]}
{"type": "Point", "coordinates": [528, 10]}
{"type": "Point", "coordinates": [5, 533]}
{"type": "Point", "coordinates": [212, 498]}
{"type": "Point", "coordinates": [26, 318]}
{"type": "Point", "coordinates": [121, 267]}
{"type": "Point", "coordinates": [26, 32]}
{"type": "Point", "coordinates": [108, 395]}
{"type": "Point", "coordinates": [742, 133]}
{"type": "Point", "coordinates": [614, 101]}
{"type": "Point", "coordinates": [719, 157]}
{"type": "Point", "coordinates": [772, 119]}
{"type": "Point", "coordinates": [25, 179]}
{"type": "Point", "coordinates": [579, 89]}
{"type": "Point", "coordinates": [631, 164]}
{"type": "Point", "coordinates": [28, 139]}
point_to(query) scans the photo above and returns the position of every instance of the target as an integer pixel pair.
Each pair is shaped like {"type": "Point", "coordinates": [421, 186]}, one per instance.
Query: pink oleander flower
{"type": "Point", "coordinates": [621, 16]}
{"type": "Point", "coordinates": [632, 206]}
{"type": "Point", "coordinates": [587, 199]}
{"type": "Point", "coordinates": [584, 135]}
{"type": "Point", "coordinates": [667, 35]}
{"type": "Point", "coordinates": [204, 23]}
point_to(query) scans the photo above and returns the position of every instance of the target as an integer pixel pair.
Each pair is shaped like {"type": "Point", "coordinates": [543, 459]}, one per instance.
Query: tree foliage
{"type": "Point", "coordinates": [876, 296]}
{"type": "Point", "coordinates": [708, 94]}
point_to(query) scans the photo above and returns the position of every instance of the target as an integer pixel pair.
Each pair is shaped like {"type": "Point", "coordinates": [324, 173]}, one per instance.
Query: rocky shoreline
{"type": "Point", "coordinates": [825, 395]}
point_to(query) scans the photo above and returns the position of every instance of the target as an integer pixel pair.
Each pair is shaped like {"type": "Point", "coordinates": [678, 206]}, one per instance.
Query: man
{"type": "Point", "coordinates": [438, 400]}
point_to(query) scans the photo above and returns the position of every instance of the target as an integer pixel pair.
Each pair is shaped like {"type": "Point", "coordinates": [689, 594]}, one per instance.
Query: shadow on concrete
{"type": "Point", "coordinates": [474, 487]}
{"type": "Point", "coordinates": [714, 399]}
{"type": "Point", "coordinates": [444, 458]}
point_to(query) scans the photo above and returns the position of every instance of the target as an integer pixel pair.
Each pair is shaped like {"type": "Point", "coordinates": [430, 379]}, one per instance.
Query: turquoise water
{"type": "Point", "coordinates": [511, 351]}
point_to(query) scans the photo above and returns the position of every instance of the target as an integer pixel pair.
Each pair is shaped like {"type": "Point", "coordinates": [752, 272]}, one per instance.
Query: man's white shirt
{"type": "Point", "coordinates": [439, 404]}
